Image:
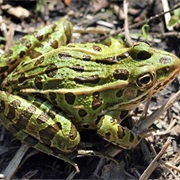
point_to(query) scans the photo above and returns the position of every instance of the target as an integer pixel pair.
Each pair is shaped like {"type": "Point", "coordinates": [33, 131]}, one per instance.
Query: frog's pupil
{"type": "Point", "coordinates": [145, 80]}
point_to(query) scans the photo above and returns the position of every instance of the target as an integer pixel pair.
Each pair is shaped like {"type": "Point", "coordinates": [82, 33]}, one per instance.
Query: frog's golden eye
{"type": "Point", "coordinates": [145, 80]}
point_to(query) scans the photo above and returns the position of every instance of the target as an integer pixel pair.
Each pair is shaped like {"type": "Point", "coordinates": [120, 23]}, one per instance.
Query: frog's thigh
{"type": "Point", "coordinates": [54, 131]}
{"type": "Point", "coordinates": [111, 131]}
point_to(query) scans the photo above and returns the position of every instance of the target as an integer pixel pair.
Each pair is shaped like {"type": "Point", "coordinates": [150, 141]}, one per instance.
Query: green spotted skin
{"type": "Point", "coordinates": [53, 90]}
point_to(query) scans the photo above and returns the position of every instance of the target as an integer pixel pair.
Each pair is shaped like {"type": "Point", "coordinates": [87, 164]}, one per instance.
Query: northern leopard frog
{"type": "Point", "coordinates": [53, 90]}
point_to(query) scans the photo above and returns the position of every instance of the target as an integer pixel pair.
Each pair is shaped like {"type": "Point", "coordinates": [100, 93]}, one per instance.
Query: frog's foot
{"type": "Point", "coordinates": [111, 131]}
{"type": "Point", "coordinates": [82, 153]}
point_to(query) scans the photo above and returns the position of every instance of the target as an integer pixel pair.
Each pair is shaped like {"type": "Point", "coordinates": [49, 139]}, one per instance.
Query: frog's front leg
{"type": "Point", "coordinates": [113, 132]}
{"type": "Point", "coordinates": [48, 128]}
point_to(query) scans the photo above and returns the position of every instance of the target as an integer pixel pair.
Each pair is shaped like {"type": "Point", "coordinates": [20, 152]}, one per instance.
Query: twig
{"type": "Point", "coordinates": [167, 34]}
{"type": "Point", "coordinates": [14, 163]}
{"type": "Point", "coordinates": [168, 130]}
{"type": "Point", "coordinates": [167, 16]}
{"type": "Point", "coordinates": [137, 24]}
{"type": "Point", "coordinates": [170, 165]}
{"type": "Point", "coordinates": [126, 26]}
{"type": "Point", "coordinates": [142, 125]}
{"type": "Point", "coordinates": [155, 162]}
{"type": "Point", "coordinates": [170, 172]}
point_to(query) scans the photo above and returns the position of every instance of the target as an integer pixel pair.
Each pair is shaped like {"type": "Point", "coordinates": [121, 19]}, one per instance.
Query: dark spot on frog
{"type": "Point", "coordinates": [47, 134]}
{"type": "Point", "coordinates": [24, 41]}
{"type": "Point", "coordinates": [97, 102]}
{"type": "Point", "coordinates": [54, 44]}
{"type": "Point", "coordinates": [86, 57]}
{"type": "Point", "coordinates": [85, 126]}
{"type": "Point", "coordinates": [3, 69]}
{"type": "Point", "coordinates": [59, 125]}
{"type": "Point", "coordinates": [82, 112]}
{"type": "Point", "coordinates": [120, 132]}
{"type": "Point", "coordinates": [39, 36]}
{"type": "Point", "coordinates": [121, 74]}
{"type": "Point", "coordinates": [78, 68]}
{"type": "Point", "coordinates": [28, 44]}
{"type": "Point", "coordinates": [108, 135]}
{"type": "Point", "coordinates": [39, 99]}
{"type": "Point", "coordinates": [51, 114]}
{"type": "Point", "coordinates": [70, 98]}
{"type": "Point", "coordinates": [143, 55]}
{"type": "Point", "coordinates": [94, 79]}
{"type": "Point", "coordinates": [12, 107]}
{"type": "Point", "coordinates": [25, 116]}
{"type": "Point", "coordinates": [119, 93]}
{"type": "Point", "coordinates": [33, 54]}
{"type": "Point", "coordinates": [96, 48]}
{"type": "Point", "coordinates": [21, 54]}
{"type": "Point", "coordinates": [39, 61]}
{"type": "Point", "coordinates": [52, 96]}
{"type": "Point", "coordinates": [165, 60]}
{"type": "Point", "coordinates": [51, 70]}
{"type": "Point", "coordinates": [42, 118]}
{"type": "Point", "coordinates": [64, 56]}
{"type": "Point", "coordinates": [22, 78]}
{"type": "Point", "coordinates": [38, 82]}
{"type": "Point", "coordinates": [111, 60]}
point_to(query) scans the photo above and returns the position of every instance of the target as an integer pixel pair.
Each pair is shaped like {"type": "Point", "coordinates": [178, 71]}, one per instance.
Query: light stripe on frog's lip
{"type": "Point", "coordinates": [78, 91]}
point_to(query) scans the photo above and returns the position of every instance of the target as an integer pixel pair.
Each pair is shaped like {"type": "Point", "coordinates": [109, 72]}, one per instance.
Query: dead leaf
{"type": "Point", "coordinates": [18, 11]}
{"type": "Point", "coordinates": [67, 2]}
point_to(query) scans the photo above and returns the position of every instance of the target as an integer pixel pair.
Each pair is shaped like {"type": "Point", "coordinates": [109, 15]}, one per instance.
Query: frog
{"type": "Point", "coordinates": [51, 88]}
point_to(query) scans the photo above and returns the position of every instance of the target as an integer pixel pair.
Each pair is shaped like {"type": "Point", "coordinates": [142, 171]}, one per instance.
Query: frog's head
{"type": "Point", "coordinates": [151, 69]}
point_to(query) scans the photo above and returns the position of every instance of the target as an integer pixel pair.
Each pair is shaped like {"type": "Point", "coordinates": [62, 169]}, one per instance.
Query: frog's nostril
{"type": "Point", "coordinates": [165, 60]}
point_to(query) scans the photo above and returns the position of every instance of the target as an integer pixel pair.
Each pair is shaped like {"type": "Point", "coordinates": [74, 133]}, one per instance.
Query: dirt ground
{"type": "Point", "coordinates": [93, 21]}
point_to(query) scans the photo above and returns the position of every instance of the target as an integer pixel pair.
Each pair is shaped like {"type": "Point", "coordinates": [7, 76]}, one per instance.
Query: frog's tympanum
{"type": "Point", "coordinates": [51, 89]}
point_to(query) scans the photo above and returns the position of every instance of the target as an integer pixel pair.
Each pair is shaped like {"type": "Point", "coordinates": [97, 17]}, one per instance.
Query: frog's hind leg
{"type": "Point", "coordinates": [46, 131]}
{"type": "Point", "coordinates": [113, 132]}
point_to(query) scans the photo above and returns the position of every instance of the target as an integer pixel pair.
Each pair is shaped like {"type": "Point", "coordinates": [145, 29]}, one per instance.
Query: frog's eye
{"type": "Point", "coordinates": [145, 80]}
